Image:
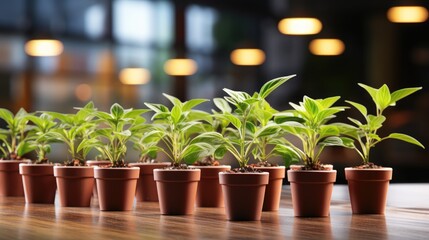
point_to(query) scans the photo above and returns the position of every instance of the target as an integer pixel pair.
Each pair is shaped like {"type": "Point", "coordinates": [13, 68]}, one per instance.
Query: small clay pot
{"type": "Point", "coordinates": [10, 179]}
{"type": "Point", "coordinates": [177, 190]}
{"type": "Point", "coordinates": [146, 185]}
{"type": "Point", "coordinates": [39, 182]}
{"type": "Point", "coordinates": [311, 191]}
{"type": "Point", "coordinates": [243, 194]}
{"type": "Point", "coordinates": [368, 189]}
{"type": "Point", "coordinates": [209, 192]}
{"type": "Point", "coordinates": [75, 185]}
{"type": "Point", "coordinates": [273, 191]}
{"type": "Point", "coordinates": [116, 187]}
{"type": "Point", "coordinates": [97, 163]}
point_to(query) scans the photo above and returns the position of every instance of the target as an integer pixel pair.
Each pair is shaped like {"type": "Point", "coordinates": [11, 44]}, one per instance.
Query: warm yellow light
{"type": "Point", "coordinates": [300, 26]}
{"type": "Point", "coordinates": [248, 57]}
{"type": "Point", "coordinates": [180, 67]}
{"type": "Point", "coordinates": [327, 47]}
{"type": "Point", "coordinates": [134, 76]}
{"type": "Point", "coordinates": [83, 92]}
{"type": "Point", "coordinates": [407, 14]}
{"type": "Point", "coordinates": [44, 47]}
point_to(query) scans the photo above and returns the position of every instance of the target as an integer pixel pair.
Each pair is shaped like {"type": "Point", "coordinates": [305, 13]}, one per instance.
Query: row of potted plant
{"type": "Point", "coordinates": [243, 125]}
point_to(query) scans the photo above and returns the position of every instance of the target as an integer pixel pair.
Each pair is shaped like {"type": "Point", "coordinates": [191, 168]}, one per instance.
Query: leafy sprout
{"type": "Point", "coordinates": [308, 121]}
{"type": "Point", "coordinates": [75, 131]}
{"type": "Point", "coordinates": [115, 129]}
{"type": "Point", "coordinates": [40, 137]}
{"type": "Point", "coordinates": [244, 136]}
{"type": "Point", "coordinates": [13, 143]}
{"type": "Point", "coordinates": [176, 128]}
{"type": "Point", "coordinates": [365, 133]}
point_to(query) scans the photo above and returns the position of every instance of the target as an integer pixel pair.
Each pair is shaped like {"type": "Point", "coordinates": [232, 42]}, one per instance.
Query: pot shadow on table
{"type": "Point", "coordinates": [312, 228]}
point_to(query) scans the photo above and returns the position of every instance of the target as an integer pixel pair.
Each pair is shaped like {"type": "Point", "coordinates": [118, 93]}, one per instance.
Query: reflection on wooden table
{"type": "Point", "coordinates": [407, 217]}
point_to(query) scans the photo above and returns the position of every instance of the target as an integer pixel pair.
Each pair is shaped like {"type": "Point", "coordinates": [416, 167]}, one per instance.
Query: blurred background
{"type": "Point", "coordinates": [131, 51]}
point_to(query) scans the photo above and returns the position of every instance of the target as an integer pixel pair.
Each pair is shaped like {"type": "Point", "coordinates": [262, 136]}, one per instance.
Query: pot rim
{"type": "Point", "coordinates": [271, 167]}
{"type": "Point", "coordinates": [176, 170]}
{"type": "Point", "coordinates": [245, 173]}
{"type": "Point", "coordinates": [37, 164]}
{"type": "Point", "coordinates": [368, 169]}
{"type": "Point", "coordinates": [219, 166]}
{"type": "Point", "coordinates": [17, 161]}
{"type": "Point", "coordinates": [149, 164]}
{"type": "Point", "coordinates": [74, 167]}
{"type": "Point", "coordinates": [116, 168]}
{"type": "Point", "coordinates": [310, 170]}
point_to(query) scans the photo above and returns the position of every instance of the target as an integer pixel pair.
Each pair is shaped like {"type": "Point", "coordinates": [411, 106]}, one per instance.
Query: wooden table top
{"type": "Point", "coordinates": [407, 217]}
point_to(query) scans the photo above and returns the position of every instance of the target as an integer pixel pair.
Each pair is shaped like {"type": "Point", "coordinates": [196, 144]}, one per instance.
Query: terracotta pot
{"type": "Point", "coordinates": [146, 186]}
{"type": "Point", "coordinates": [209, 192]}
{"type": "Point", "coordinates": [39, 182]}
{"type": "Point", "coordinates": [368, 189]}
{"type": "Point", "coordinates": [243, 194]}
{"type": "Point", "coordinates": [10, 179]}
{"type": "Point", "coordinates": [273, 191]}
{"type": "Point", "coordinates": [177, 190]}
{"type": "Point", "coordinates": [97, 163]}
{"type": "Point", "coordinates": [116, 187]}
{"type": "Point", "coordinates": [311, 191]}
{"type": "Point", "coordinates": [75, 185]}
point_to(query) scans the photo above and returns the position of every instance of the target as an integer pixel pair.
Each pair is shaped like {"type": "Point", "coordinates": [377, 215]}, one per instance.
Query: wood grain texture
{"type": "Point", "coordinates": [407, 217]}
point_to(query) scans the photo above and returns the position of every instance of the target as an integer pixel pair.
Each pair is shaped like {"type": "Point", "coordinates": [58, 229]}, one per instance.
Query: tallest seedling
{"type": "Point", "coordinates": [365, 134]}
{"type": "Point", "coordinates": [242, 136]}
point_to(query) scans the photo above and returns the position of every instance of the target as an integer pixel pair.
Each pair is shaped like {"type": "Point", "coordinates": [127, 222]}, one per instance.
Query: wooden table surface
{"type": "Point", "coordinates": [407, 217]}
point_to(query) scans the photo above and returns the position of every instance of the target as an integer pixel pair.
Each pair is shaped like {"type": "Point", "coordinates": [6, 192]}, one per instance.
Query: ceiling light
{"type": "Point", "coordinates": [326, 47]}
{"type": "Point", "coordinates": [134, 76]}
{"type": "Point", "coordinates": [248, 56]}
{"type": "Point", "coordinates": [180, 67]}
{"type": "Point", "coordinates": [300, 26]}
{"type": "Point", "coordinates": [407, 14]}
{"type": "Point", "coordinates": [44, 47]}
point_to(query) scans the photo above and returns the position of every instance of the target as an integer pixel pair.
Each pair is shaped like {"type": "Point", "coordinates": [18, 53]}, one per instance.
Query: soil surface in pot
{"type": "Point", "coordinates": [369, 165]}
{"type": "Point", "coordinates": [207, 161]}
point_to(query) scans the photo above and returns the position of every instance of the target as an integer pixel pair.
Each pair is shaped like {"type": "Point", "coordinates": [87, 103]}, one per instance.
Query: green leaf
{"type": "Point", "coordinates": [328, 102]}
{"type": "Point", "coordinates": [24, 148]}
{"type": "Point", "coordinates": [251, 127]}
{"type": "Point", "coordinates": [233, 120]}
{"type": "Point", "coordinates": [194, 152]}
{"type": "Point", "coordinates": [268, 130]}
{"type": "Point", "coordinates": [196, 115]}
{"type": "Point", "coordinates": [383, 97]}
{"type": "Point", "coordinates": [176, 113]}
{"type": "Point", "coordinates": [243, 106]}
{"type": "Point", "coordinates": [332, 141]}
{"type": "Point", "coordinates": [287, 153]}
{"type": "Point", "coordinates": [348, 142]}
{"type": "Point", "coordinates": [188, 105]}
{"type": "Point", "coordinates": [175, 101]}
{"type": "Point", "coordinates": [405, 138]}
{"type": "Point", "coordinates": [117, 111]}
{"type": "Point", "coordinates": [6, 115]}
{"type": "Point", "coordinates": [212, 138]}
{"type": "Point", "coordinates": [362, 109]}
{"type": "Point", "coordinates": [402, 93]}
{"type": "Point", "coordinates": [355, 121]}
{"type": "Point", "coordinates": [372, 91]}
{"type": "Point", "coordinates": [328, 130]}
{"type": "Point", "coordinates": [310, 106]}
{"type": "Point", "coordinates": [222, 104]}
{"type": "Point", "coordinates": [220, 152]}
{"type": "Point", "coordinates": [375, 122]}
{"type": "Point", "coordinates": [271, 85]}
{"type": "Point", "coordinates": [157, 108]}
{"type": "Point", "coordinates": [135, 113]}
